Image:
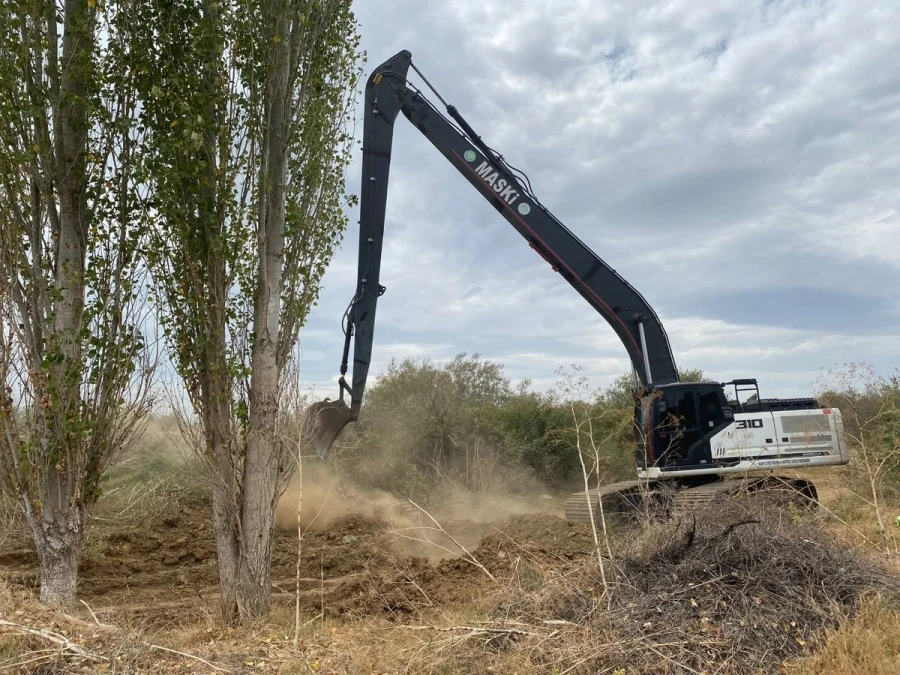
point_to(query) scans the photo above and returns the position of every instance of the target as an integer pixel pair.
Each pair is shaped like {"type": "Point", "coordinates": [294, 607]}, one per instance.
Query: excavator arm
{"type": "Point", "coordinates": [388, 93]}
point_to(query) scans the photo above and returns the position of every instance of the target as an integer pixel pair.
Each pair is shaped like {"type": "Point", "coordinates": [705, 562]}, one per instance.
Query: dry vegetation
{"type": "Point", "coordinates": [467, 579]}
{"type": "Point", "coordinates": [867, 643]}
{"type": "Point", "coordinates": [714, 592]}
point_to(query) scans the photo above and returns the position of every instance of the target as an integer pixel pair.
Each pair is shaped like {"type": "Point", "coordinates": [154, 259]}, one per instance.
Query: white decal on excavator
{"type": "Point", "coordinates": [501, 186]}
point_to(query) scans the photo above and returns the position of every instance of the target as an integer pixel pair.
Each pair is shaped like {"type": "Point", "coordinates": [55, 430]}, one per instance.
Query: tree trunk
{"type": "Point", "coordinates": [260, 499]}
{"type": "Point", "coordinates": [224, 519]}
{"type": "Point", "coordinates": [219, 434]}
{"type": "Point", "coordinates": [57, 529]}
{"type": "Point", "coordinates": [58, 549]}
{"type": "Point", "coordinates": [262, 464]}
{"type": "Point", "coordinates": [59, 533]}
{"type": "Point", "coordinates": [218, 424]}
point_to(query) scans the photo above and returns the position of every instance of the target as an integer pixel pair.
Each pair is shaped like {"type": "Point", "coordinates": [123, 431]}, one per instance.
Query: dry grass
{"type": "Point", "coordinates": [11, 519]}
{"type": "Point", "coordinates": [158, 473]}
{"type": "Point", "coordinates": [35, 639]}
{"type": "Point", "coordinates": [33, 645]}
{"type": "Point", "coordinates": [868, 643]}
{"type": "Point", "coordinates": [846, 500]}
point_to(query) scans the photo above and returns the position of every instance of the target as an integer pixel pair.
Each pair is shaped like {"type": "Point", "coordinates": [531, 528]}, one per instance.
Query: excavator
{"type": "Point", "coordinates": [689, 436]}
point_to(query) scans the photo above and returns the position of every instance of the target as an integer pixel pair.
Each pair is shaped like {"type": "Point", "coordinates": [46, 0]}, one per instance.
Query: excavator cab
{"type": "Point", "coordinates": [674, 422]}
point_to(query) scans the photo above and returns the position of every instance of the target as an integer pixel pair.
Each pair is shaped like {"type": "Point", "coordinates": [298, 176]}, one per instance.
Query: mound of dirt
{"type": "Point", "coordinates": [359, 565]}
{"type": "Point", "coordinates": [168, 572]}
{"type": "Point", "coordinates": [404, 587]}
{"type": "Point", "coordinates": [543, 535]}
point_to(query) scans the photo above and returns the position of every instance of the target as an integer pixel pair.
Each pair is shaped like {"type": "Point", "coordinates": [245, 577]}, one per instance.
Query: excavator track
{"type": "Point", "coordinates": [622, 498]}
{"type": "Point", "coordinates": [664, 498]}
{"type": "Point", "coordinates": [781, 489]}
{"type": "Point", "coordinates": [696, 498]}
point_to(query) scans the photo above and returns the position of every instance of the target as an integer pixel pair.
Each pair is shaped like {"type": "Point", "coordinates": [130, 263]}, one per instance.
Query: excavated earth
{"type": "Point", "coordinates": [165, 573]}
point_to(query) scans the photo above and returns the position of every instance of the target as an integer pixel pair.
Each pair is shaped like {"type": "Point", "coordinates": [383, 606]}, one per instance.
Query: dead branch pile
{"type": "Point", "coordinates": [719, 592]}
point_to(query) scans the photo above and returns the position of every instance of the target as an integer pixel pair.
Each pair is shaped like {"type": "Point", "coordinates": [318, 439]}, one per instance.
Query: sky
{"type": "Point", "coordinates": [737, 162]}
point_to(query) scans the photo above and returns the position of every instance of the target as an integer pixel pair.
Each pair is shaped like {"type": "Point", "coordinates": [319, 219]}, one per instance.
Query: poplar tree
{"type": "Point", "coordinates": [246, 105]}
{"type": "Point", "coordinates": [73, 362]}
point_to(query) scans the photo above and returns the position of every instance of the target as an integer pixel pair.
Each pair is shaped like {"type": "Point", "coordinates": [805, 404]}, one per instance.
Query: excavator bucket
{"type": "Point", "coordinates": [324, 421]}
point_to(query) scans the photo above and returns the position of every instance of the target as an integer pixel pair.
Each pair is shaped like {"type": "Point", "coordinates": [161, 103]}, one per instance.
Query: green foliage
{"type": "Point", "coordinates": [534, 427]}
{"type": "Point", "coordinates": [462, 421]}
{"type": "Point", "coordinates": [205, 170]}
{"type": "Point", "coordinates": [691, 375]}
{"type": "Point", "coordinates": [870, 408]}
{"type": "Point", "coordinates": [433, 419]}
{"type": "Point", "coordinates": [72, 350]}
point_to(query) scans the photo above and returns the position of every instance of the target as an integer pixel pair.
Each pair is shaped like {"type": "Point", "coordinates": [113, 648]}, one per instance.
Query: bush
{"type": "Point", "coordinates": [719, 592]}
{"type": "Point", "coordinates": [870, 407]}
{"type": "Point", "coordinates": [463, 423]}
{"type": "Point", "coordinates": [424, 421]}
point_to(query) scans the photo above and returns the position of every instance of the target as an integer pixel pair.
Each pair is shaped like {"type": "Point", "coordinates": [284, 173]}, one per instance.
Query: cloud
{"type": "Point", "coordinates": [836, 311]}
{"type": "Point", "coordinates": [736, 162]}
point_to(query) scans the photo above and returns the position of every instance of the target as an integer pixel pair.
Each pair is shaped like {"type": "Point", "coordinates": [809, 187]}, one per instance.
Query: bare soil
{"type": "Point", "coordinates": [167, 573]}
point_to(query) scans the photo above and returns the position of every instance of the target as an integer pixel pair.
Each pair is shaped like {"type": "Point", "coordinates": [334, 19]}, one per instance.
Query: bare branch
{"type": "Point", "coordinates": [64, 643]}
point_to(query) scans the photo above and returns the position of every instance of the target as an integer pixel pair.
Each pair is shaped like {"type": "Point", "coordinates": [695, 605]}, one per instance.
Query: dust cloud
{"type": "Point", "coordinates": [465, 516]}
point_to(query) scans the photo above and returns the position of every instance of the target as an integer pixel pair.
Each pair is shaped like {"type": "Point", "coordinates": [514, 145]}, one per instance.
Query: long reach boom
{"type": "Point", "coordinates": [388, 92]}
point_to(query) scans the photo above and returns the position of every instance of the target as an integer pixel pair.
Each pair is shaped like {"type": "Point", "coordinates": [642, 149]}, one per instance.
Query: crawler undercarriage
{"type": "Point", "coordinates": [667, 498]}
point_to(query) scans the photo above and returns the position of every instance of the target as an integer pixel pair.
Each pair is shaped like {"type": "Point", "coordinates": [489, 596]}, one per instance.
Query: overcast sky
{"type": "Point", "coordinates": [737, 162]}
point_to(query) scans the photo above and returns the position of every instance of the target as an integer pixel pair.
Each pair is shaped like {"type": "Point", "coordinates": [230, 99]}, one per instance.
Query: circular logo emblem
{"type": "Point", "coordinates": [470, 155]}
{"type": "Point", "coordinates": [524, 209]}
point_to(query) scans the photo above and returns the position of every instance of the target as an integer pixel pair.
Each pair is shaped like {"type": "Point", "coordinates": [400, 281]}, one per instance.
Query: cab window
{"type": "Point", "coordinates": [711, 410]}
